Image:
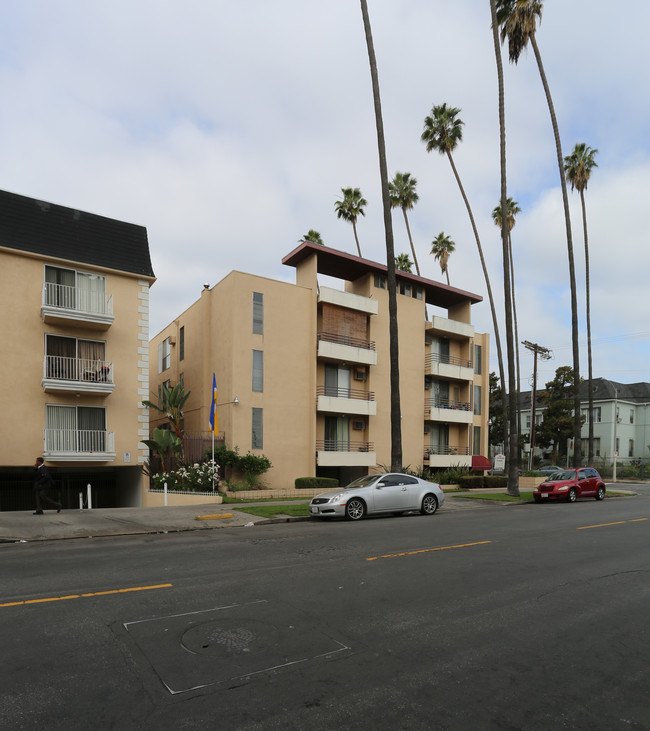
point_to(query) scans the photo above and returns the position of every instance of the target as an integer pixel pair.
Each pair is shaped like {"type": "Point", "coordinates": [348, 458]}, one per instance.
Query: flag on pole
{"type": "Point", "coordinates": [214, 417]}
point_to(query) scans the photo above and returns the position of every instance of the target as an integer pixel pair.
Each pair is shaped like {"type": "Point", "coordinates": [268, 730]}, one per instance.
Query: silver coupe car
{"type": "Point", "coordinates": [384, 493]}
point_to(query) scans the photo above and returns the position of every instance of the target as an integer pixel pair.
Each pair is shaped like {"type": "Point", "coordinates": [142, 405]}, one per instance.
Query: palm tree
{"type": "Point", "coordinates": [517, 20]}
{"type": "Point", "coordinates": [350, 208]}
{"type": "Point", "coordinates": [512, 209]}
{"type": "Point", "coordinates": [403, 195]}
{"type": "Point", "coordinates": [443, 130]}
{"type": "Point", "coordinates": [403, 263]}
{"type": "Point", "coordinates": [510, 404]}
{"type": "Point", "coordinates": [313, 236]}
{"type": "Point", "coordinates": [578, 166]}
{"type": "Point", "coordinates": [395, 409]}
{"type": "Point", "coordinates": [441, 247]}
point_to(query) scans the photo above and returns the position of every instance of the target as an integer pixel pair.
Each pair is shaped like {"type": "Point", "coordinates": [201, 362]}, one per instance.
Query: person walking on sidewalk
{"type": "Point", "coordinates": [42, 482]}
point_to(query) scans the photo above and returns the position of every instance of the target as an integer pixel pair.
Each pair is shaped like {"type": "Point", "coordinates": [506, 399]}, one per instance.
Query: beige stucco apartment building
{"type": "Point", "coordinates": [75, 359]}
{"type": "Point", "coordinates": [303, 369]}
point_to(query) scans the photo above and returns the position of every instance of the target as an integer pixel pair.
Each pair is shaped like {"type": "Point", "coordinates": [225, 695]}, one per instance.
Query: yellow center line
{"type": "Point", "coordinates": [79, 596]}
{"type": "Point", "coordinates": [618, 522]}
{"type": "Point", "coordinates": [427, 550]}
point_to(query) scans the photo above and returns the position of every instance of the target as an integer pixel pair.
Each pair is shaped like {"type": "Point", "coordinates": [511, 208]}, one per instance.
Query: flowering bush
{"type": "Point", "coordinates": [197, 478]}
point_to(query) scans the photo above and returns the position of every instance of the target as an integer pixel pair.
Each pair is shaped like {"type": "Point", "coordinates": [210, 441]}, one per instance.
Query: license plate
{"type": "Point", "coordinates": [313, 510]}
{"type": "Point", "coordinates": [544, 494]}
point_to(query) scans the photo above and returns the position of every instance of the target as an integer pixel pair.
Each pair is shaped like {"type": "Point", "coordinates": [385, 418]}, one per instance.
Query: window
{"type": "Point", "coordinates": [75, 290]}
{"type": "Point", "coordinates": [477, 440]}
{"type": "Point", "coordinates": [257, 432]}
{"type": "Point", "coordinates": [477, 400]}
{"type": "Point", "coordinates": [181, 344]}
{"type": "Point", "coordinates": [75, 429]}
{"type": "Point", "coordinates": [618, 446]}
{"type": "Point", "coordinates": [258, 370]}
{"type": "Point", "coordinates": [405, 288]}
{"type": "Point", "coordinates": [528, 420]}
{"type": "Point", "coordinates": [585, 446]}
{"type": "Point", "coordinates": [380, 281]}
{"type": "Point", "coordinates": [164, 355]}
{"type": "Point", "coordinates": [258, 313]}
{"type": "Point", "coordinates": [76, 359]}
{"type": "Point", "coordinates": [166, 385]}
{"type": "Point", "coordinates": [597, 415]}
{"type": "Point", "coordinates": [631, 416]}
{"type": "Point", "coordinates": [181, 379]}
{"type": "Point", "coordinates": [416, 293]}
{"type": "Point", "coordinates": [478, 359]}
{"type": "Point", "coordinates": [630, 449]}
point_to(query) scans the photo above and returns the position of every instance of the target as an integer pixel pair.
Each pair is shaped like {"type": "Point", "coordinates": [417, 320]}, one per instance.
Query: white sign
{"type": "Point", "coordinates": [500, 462]}
{"type": "Point", "coordinates": [126, 457]}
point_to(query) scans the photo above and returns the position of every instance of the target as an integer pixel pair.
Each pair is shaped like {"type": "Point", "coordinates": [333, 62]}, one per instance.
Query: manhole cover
{"type": "Point", "coordinates": [230, 637]}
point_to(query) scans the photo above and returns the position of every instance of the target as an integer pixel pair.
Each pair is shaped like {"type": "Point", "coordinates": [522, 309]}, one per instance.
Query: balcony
{"type": "Point", "coordinates": [61, 374]}
{"type": "Point", "coordinates": [346, 348]}
{"type": "Point", "coordinates": [448, 367]}
{"type": "Point", "coordinates": [346, 401]}
{"type": "Point", "coordinates": [349, 300]}
{"type": "Point", "coordinates": [448, 410]}
{"type": "Point", "coordinates": [74, 445]}
{"type": "Point", "coordinates": [345, 453]}
{"type": "Point", "coordinates": [452, 329]}
{"type": "Point", "coordinates": [66, 305]}
{"type": "Point", "coordinates": [447, 456]}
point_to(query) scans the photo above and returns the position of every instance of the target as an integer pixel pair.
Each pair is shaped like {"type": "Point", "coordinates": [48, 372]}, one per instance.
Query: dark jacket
{"type": "Point", "coordinates": [42, 479]}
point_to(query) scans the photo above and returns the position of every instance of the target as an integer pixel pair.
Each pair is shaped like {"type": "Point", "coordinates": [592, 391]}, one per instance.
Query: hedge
{"type": "Point", "coordinates": [316, 483]}
{"type": "Point", "coordinates": [467, 482]}
{"type": "Point", "coordinates": [496, 481]}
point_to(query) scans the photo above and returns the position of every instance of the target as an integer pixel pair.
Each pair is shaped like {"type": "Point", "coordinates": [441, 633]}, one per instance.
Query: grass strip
{"type": "Point", "coordinates": [277, 511]}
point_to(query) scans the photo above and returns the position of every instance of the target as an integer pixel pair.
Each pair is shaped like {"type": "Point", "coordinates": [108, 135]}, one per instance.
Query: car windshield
{"type": "Point", "coordinates": [565, 475]}
{"type": "Point", "coordinates": [362, 481]}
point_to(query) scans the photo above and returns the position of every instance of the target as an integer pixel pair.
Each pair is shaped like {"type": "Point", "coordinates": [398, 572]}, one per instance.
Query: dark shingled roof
{"type": "Point", "coordinates": [27, 224]}
{"type": "Point", "coordinates": [603, 390]}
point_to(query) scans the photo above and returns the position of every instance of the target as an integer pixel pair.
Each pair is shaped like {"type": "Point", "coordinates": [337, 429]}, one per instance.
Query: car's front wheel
{"type": "Point", "coordinates": [355, 509]}
{"type": "Point", "coordinates": [600, 495]}
{"type": "Point", "coordinates": [572, 496]}
{"type": "Point", "coordinates": [429, 505]}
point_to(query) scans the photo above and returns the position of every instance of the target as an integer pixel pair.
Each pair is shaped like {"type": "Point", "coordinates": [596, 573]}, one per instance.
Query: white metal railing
{"type": "Point", "coordinates": [77, 369]}
{"type": "Point", "coordinates": [75, 298]}
{"type": "Point", "coordinates": [78, 441]}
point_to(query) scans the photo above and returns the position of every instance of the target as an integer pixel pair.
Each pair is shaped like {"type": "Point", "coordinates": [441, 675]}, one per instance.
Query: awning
{"type": "Point", "coordinates": [480, 463]}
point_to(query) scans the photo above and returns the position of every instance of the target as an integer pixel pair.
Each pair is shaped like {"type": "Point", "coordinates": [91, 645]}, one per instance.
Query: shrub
{"type": "Point", "coordinates": [450, 476]}
{"type": "Point", "coordinates": [468, 482]}
{"type": "Point", "coordinates": [316, 483]}
{"type": "Point", "coordinates": [495, 481]}
{"type": "Point", "coordinates": [194, 478]}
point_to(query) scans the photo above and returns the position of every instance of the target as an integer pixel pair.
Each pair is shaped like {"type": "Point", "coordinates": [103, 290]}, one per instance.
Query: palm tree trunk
{"type": "Point", "coordinates": [408, 231]}
{"type": "Point", "coordinates": [356, 238]}
{"type": "Point", "coordinates": [589, 364]}
{"type": "Point", "coordinates": [447, 273]}
{"type": "Point", "coordinates": [511, 406]}
{"type": "Point", "coordinates": [577, 421]}
{"type": "Point", "coordinates": [395, 409]}
{"type": "Point", "coordinates": [495, 322]}
{"type": "Point", "coordinates": [516, 343]}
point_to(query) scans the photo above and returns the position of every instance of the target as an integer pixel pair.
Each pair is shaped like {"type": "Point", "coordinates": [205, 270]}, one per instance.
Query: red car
{"type": "Point", "coordinates": [569, 485]}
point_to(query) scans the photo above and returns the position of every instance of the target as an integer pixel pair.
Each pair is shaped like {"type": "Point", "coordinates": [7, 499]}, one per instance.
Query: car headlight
{"type": "Point", "coordinates": [563, 489]}
{"type": "Point", "coordinates": [336, 498]}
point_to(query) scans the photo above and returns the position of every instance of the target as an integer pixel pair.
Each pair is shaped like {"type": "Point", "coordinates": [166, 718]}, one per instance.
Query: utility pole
{"type": "Point", "coordinates": [545, 354]}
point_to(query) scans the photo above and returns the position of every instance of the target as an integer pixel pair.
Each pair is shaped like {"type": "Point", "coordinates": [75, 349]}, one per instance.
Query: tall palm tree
{"type": "Point", "coordinates": [578, 166]}
{"type": "Point", "coordinates": [441, 247]}
{"type": "Point", "coordinates": [512, 209]}
{"type": "Point", "coordinates": [403, 263]}
{"type": "Point", "coordinates": [517, 20]}
{"type": "Point", "coordinates": [395, 408]}
{"type": "Point", "coordinates": [510, 404]}
{"type": "Point", "coordinates": [443, 130]}
{"type": "Point", "coordinates": [403, 195]}
{"type": "Point", "coordinates": [350, 208]}
{"type": "Point", "coordinates": [312, 236]}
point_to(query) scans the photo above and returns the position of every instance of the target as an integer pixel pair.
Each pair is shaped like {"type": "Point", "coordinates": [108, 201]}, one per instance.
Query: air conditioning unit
{"type": "Point", "coordinates": [360, 374]}
{"type": "Point", "coordinates": [359, 425]}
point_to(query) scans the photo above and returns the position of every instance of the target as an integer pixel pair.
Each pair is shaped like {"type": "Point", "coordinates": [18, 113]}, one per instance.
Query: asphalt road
{"type": "Point", "coordinates": [518, 617]}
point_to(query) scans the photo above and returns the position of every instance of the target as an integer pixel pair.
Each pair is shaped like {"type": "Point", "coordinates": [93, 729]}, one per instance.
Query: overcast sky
{"type": "Point", "coordinates": [229, 128]}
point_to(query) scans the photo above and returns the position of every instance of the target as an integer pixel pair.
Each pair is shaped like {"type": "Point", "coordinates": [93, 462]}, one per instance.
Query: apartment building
{"type": "Point", "coordinates": [303, 369]}
{"type": "Point", "coordinates": [75, 359]}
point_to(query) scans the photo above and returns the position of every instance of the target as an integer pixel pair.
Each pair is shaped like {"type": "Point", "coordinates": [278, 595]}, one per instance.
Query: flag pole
{"type": "Point", "coordinates": [213, 470]}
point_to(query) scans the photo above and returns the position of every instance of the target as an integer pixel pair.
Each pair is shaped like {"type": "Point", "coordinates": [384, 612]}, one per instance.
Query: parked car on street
{"type": "Point", "coordinates": [549, 469]}
{"type": "Point", "coordinates": [391, 492]}
{"type": "Point", "coordinates": [569, 485]}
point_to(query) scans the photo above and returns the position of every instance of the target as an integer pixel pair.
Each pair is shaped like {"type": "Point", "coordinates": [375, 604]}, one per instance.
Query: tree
{"type": "Point", "coordinates": [171, 403]}
{"type": "Point", "coordinates": [443, 130]}
{"type": "Point", "coordinates": [557, 424]}
{"type": "Point", "coordinates": [313, 236]}
{"type": "Point", "coordinates": [350, 208]}
{"type": "Point", "coordinates": [578, 166]}
{"type": "Point", "coordinates": [510, 407]}
{"type": "Point", "coordinates": [395, 409]}
{"type": "Point", "coordinates": [512, 209]}
{"type": "Point", "coordinates": [441, 247]}
{"type": "Point", "coordinates": [403, 195]}
{"type": "Point", "coordinates": [497, 433]}
{"type": "Point", "coordinates": [517, 20]}
{"type": "Point", "coordinates": [164, 441]}
{"type": "Point", "coordinates": [403, 263]}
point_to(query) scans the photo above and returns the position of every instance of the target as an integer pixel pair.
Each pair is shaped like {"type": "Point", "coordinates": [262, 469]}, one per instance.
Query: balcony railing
{"type": "Point", "coordinates": [78, 441]}
{"type": "Point", "coordinates": [347, 340]}
{"type": "Point", "coordinates": [343, 445]}
{"type": "Point", "coordinates": [445, 449]}
{"type": "Point", "coordinates": [446, 359]}
{"type": "Point", "coordinates": [66, 297]}
{"type": "Point", "coordinates": [351, 393]}
{"type": "Point", "coordinates": [443, 402]}
{"type": "Point", "coordinates": [62, 368]}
